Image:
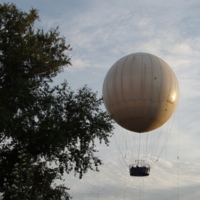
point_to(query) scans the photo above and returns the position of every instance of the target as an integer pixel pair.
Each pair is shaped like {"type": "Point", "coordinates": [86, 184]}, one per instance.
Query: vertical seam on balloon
{"type": "Point", "coordinates": [123, 77]}
{"type": "Point", "coordinates": [131, 90]}
{"type": "Point", "coordinates": [148, 113]}
{"type": "Point", "coordinates": [106, 85]}
{"type": "Point", "coordinates": [143, 87]}
{"type": "Point", "coordinates": [161, 80]}
{"type": "Point", "coordinates": [170, 80]}
{"type": "Point", "coordinates": [130, 84]}
{"type": "Point", "coordinates": [114, 82]}
{"type": "Point", "coordinates": [138, 101]}
{"type": "Point", "coordinates": [170, 86]}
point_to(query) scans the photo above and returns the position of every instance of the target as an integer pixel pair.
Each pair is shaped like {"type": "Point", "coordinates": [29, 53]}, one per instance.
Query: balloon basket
{"type": "Point", "coordinates": [139, 168]}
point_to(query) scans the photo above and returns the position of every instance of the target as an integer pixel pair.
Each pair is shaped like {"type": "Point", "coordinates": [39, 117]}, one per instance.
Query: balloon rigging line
{"type": "Point", "coordinates": [97, 185]}
{"type": "Point", "coordinates": [120, 150]}
{"type": "Point", "coordinates": [143, 186]}
{"type": "Point", "coordinates": [168, 134]}
{"type": "Point", "coordinates": [127, 149]}
{"type": "Point", "coordinates": [133, 147]}
{"type": "Point", "coordinates": [164, 143]}
{"type": "Point", "coordinates": [156, 142]}
{"type": "Point", "coordinates": [152, 145]}
{"type": "Point", "coordinates": [127, 152]}
{"type": "Point", "coordinates": [124, 185]}
{"type": "Point", "coordinates": [178, 181]}
{"type": "Point", "coordinates": [146, 145]}
{"type": "Point", "coordinates": [139, 147]}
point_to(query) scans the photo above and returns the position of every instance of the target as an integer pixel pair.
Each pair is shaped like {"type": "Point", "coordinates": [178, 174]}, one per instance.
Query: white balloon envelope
{"type": "Point", "coordinates": [140, 92]}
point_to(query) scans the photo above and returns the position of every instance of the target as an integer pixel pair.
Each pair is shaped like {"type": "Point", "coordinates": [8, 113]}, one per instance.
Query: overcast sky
{"type": "Point", "coordinates": [101, 32]}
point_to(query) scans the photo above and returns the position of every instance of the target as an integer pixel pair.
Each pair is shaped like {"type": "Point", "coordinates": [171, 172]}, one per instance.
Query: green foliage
{"type": "Point", "coordinates": [32, 180]}
{"type": "Point", "coordinates": [40, 121]}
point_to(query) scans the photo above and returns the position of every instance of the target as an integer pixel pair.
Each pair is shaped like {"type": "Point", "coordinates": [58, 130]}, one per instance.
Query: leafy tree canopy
{"type": "Point", "coordinates": [50, 123]}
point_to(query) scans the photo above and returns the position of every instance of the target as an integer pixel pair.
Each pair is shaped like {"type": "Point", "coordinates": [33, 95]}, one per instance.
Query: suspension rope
{"type": "Point", "coordinates": [139, 191]}
{"type": "Point", "coordinates": [178, 158]}
{"type": "Point", "coordinates": [118, 147]}
{"type": "Point", "coordinates": [146, 146]}
{"type": "Point", "coordinates": [156, 142]}
{"type": "Point", "coordinates": [124, 196]}
{"type": "Point", "coordinates": [143, 186]}
{"type": "Point", "coordinates": [97, 186]}
{"type": "Point", "coordinates": [139, 147]}
{"type": "Point", "coordinates": [128, 151]}
{"type": "Point", "coordinates": [168, 134]}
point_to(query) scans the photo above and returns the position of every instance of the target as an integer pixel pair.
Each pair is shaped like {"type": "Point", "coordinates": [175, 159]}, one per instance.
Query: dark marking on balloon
{"type": "Point", "coordinates": [170, 101]}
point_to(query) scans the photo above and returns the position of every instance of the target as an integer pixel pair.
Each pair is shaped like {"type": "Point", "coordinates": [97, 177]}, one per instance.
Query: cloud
{"type": "Point", "coordinates": [79, 63]}
{"type": "Point", "coordinates": [114, 182]}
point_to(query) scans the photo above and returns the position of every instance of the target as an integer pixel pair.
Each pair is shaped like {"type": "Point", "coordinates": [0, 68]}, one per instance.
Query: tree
{"type": "Point", "coordinates": [32, 180]}
{"type": "Point", "coordinates": [40, 121]}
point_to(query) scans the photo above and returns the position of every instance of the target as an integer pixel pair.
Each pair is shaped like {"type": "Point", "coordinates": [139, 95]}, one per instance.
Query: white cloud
{"type": "Point", "coordinates": [113, 180]}
{"type": "Point", "coordinates": [79, 63]}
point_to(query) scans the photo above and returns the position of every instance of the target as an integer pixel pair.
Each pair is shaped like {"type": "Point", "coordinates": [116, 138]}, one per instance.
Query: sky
{"type": "Point", "coordinates": [100, 33]}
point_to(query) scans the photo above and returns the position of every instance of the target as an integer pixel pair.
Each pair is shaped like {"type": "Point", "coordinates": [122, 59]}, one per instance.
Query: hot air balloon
{"type": "Point", "coordinates": [140, 92]}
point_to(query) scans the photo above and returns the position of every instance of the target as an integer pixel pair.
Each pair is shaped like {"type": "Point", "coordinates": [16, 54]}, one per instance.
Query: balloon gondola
{"type": "Point", "coordinates": [140, 93]}
{"type": "Point", "coordinates": [139, 168]}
